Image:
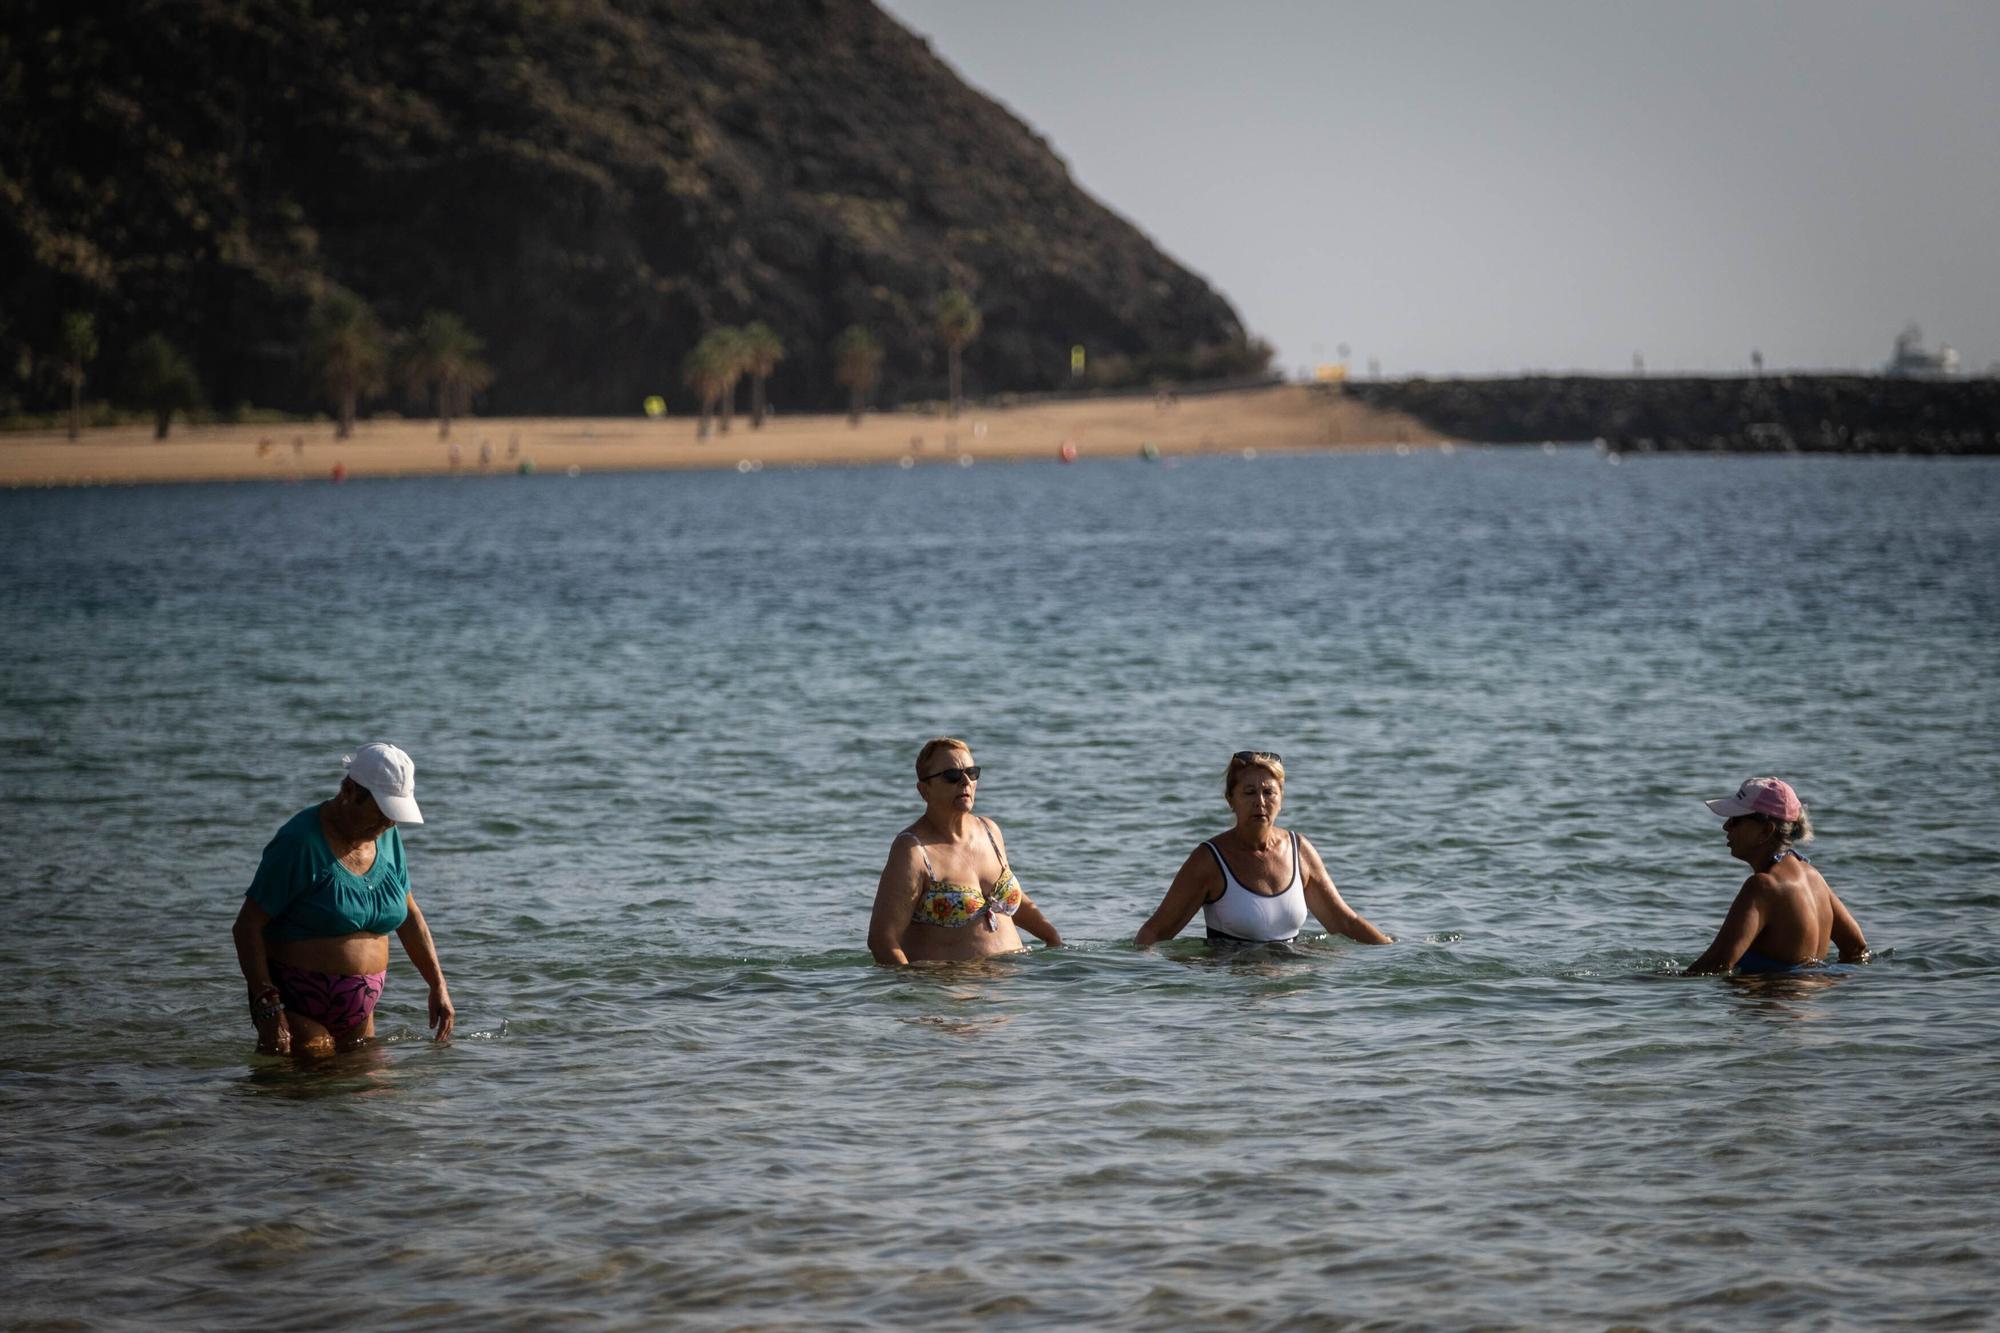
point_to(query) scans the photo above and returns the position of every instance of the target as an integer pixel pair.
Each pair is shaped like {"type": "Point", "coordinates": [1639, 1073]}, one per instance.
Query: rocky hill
{"type": "Point", "coordinates": [589, 184]}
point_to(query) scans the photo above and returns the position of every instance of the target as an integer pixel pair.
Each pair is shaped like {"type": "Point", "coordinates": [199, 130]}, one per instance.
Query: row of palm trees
{"type": "Point", "coordinates": [158, 375]}
{"type": "Point", "coordinates": [354, 358]}
{"type": "Point", "coordinates": [724, 356]}
{"type": "Point", "coordinates": [350, 352]}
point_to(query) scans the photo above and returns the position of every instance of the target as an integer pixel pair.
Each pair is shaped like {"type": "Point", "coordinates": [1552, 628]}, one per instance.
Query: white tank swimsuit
{"type": "Point", "coordinates": [1256, 918]}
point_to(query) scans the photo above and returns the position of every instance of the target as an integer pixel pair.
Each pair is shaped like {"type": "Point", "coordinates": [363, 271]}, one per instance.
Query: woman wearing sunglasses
{"type": "Point", "coordinates": [1785, 916]}
{"type": "Point", "coordinates": [947, 893]}
{"type": "Point", "coordinates": [1255, 883]}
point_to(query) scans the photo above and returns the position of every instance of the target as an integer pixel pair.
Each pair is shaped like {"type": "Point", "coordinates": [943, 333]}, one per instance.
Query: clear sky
{"type": "Point", "coordinates": [1540, 184]}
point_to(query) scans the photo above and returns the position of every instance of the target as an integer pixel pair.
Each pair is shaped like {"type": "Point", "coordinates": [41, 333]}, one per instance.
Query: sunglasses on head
{"type": "Point", "coordinates": [1252, 756]}
{"type": "Point", "coordinates": [957, 777]}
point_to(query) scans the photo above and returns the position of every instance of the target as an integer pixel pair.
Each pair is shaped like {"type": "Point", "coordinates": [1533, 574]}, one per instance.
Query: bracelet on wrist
{"type": "Point", "coordinates": [266, 1004]}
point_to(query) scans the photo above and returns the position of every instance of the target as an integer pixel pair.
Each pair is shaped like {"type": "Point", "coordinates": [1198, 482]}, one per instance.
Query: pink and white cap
{"type": "Point", "coordinates": [1760, 796]}
{"type": "Point", "coordinates": [390, 777]}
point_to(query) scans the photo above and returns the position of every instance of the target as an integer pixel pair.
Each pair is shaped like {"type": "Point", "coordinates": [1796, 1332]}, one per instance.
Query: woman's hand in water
{"type": "Point", "coordinates": [442, 1014]}
{"type": "Point", "coordinates": [274, 1034]}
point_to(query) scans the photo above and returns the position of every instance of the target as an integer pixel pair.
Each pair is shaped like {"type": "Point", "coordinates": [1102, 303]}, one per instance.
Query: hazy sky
{"type": "Point", "coordinates": [1541, 184]}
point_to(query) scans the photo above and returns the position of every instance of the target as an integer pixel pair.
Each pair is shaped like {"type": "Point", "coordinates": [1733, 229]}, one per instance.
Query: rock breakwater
{"type": "Point", "coordinates": [1760, 414]}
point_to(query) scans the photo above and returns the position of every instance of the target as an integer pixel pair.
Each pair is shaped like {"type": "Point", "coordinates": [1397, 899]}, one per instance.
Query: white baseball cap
{"type": "Point", "coordinates": [389, 776]}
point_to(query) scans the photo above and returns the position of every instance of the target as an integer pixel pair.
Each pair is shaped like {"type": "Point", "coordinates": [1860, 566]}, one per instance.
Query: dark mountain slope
{"type": "Point", "coordinates": [589, 184]}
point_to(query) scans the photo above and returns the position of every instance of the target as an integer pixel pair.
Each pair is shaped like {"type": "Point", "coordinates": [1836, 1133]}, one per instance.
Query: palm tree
{"type": "Point", "coordinates": [76, 347]}
{"type": "Point", "coordinates": [762, 351]}
{"type": "Point", "coordinates": [441, 360]}
{"type": "Point", "coordinates": [734, 357]}
{"type": "Point", "coordinates": [711, 370]}
{"type": "Point", "coordinates": [346, 344]}
{"type": "Point", "coordinates": [957, 322]}
{"type": "Point", "coordinates": [159, 376]}
{"type": "Point", "coordinates": [857, 363]}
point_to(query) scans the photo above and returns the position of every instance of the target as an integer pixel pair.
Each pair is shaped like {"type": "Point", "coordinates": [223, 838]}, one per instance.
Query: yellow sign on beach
{"type": "Point", "coordinates": [1076, 359]}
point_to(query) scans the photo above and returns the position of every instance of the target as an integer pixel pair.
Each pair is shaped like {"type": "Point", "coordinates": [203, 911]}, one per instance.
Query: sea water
{"type": "Point", "coordinates": [664, 725]}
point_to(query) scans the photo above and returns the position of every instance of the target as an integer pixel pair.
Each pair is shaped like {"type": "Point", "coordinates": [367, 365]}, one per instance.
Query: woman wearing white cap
{"type": "Point", "coordinates": [1255, 883]}
{"type": "Point", "coordinates": [313, 935]}
{"type": "Point", "coordinates": [1785, 915]}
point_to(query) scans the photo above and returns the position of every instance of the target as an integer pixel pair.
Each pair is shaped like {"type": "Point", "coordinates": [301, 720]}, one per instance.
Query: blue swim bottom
{"type": "Point", "coordinates": [1754, 962]}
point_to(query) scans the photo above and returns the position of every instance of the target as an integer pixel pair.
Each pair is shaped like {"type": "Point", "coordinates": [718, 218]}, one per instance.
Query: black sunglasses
{"type": "Point", "coordinates": [957, 777]}
{"type": "Point", "coordinates": [1252, 756]}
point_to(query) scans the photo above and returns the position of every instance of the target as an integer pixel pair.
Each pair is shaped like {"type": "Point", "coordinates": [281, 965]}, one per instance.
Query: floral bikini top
{"type": "Point", "coordinates": [941, 904]}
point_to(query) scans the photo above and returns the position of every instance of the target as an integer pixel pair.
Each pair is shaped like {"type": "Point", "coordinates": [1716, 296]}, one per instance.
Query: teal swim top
{"type": "Point", "coordinates": [311, 895]}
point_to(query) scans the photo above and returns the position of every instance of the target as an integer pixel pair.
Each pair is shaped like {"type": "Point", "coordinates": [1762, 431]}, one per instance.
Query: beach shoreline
{"type": "Point", "coordinates": [1281, 418]}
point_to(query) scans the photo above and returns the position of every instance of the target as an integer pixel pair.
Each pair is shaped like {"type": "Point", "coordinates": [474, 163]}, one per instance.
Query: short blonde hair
{"type": "Point", "coordinates": [1791, 832]}
{"type": "Point", "coordinates": [1248, 759]}
{"type": "Point", "coordinates": [933, 745]}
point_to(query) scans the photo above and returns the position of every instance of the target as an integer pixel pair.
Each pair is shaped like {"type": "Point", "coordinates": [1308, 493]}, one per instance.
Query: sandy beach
{"type": "Point", "coordinates": [1282, 418]}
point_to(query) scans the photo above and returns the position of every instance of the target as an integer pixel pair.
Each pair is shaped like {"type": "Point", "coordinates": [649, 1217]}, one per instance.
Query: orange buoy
{"type": "Point", "coordinates": [340, 472]}
{"type": "Point", "coordinates": [1068, 451]}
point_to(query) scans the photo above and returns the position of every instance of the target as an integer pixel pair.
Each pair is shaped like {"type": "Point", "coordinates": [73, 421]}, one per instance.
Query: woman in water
{"type": "Point", "coordinates": [313, 935]}
{"type": "Point", "coordinates": [1784, 916]}
{"type": "Point", "coordinates": [1255, 883]}
{"type": "Point", "coordinates": [947, 893]}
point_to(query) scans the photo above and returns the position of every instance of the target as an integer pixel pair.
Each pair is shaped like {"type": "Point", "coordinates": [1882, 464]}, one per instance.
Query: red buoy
{"type": "Point", "coordinates": [1068, 452]}
{"type": "Point", "coordinates": [340, 472]}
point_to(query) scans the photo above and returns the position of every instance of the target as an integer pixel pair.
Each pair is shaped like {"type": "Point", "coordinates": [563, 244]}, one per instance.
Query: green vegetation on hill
{"type": "Point", "coordinates": [589, 186]}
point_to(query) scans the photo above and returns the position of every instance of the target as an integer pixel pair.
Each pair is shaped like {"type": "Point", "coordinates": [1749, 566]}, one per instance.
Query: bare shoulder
{"type": "Point", "coordinates": [1201, 871]}
{"type": "Point", "coordinates": [1759, 888]}
{"type": "Point", "coordinates": [903, 871]}
{"type": "Point", "coordinates": [993, 827]}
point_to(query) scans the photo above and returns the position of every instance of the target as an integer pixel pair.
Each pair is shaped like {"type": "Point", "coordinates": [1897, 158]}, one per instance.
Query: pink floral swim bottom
{"type": "Point", "coordinates": [337, 1003]}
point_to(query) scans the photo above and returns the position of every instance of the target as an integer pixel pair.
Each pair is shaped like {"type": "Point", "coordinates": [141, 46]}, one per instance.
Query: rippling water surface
{"type": "Point", "coordinates": [663, 727]}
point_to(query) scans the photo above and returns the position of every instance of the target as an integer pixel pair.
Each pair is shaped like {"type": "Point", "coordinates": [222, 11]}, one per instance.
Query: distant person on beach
{"type": "Point", "coordinates": [1785, 915]}
{"type": "Point", "coordinates": [947, 893]}
{"type": "Point", "coordinates": [1255, 883]}
{"type": "Point", "coordinates": [313, 935]}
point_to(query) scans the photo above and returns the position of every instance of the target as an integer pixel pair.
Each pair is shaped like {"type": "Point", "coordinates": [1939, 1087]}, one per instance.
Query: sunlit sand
{"type": "Point", "coordinates": [1285, 418]}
